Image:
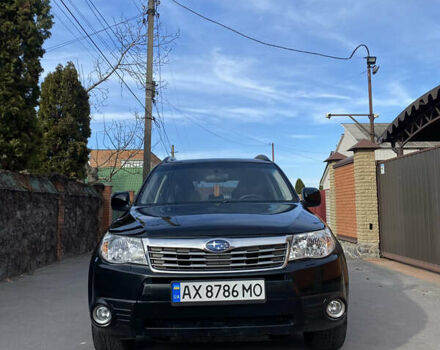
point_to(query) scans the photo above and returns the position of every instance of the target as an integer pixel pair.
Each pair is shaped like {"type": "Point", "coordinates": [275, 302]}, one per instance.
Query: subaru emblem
{"type": "Point", "coordinates": [217, 245]}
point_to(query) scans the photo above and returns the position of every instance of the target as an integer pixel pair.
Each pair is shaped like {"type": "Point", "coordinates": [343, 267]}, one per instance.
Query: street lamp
{"type": "Point", "coordinates": [371, 60]}
{"type": "Point", "coordinates": [351, 116]}
{"type": "Point", "coordinates": [371, 65]}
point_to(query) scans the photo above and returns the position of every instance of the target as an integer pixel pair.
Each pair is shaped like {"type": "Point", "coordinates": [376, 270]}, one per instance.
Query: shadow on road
{"type": "Point", "coordinates": [48, 310]}
{"type": "Point", "coordinates": [383, 313]}
{"type": "Point", "coordinates": [288, 343]}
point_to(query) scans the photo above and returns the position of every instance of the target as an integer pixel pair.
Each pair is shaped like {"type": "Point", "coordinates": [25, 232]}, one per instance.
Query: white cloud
{"type": "Point", "coordinates": [315, 18]}
{"type": "Point", "coordinates": [302, 136]}
{"type": "Point", "coordinates": [398, 96]}
{"type": "Point", "coordinates": [239, 77]}
{"type": "Point", "coordinates": [108, 117]}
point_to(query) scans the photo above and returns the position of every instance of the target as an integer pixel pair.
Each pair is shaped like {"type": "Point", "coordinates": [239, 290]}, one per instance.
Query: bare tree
{"type": "Point", "coordinates": [123, 142]}
{"type": "Point", "coordinates": [129, 58]}
{"type": "Point", "coordinates": [122, 138]}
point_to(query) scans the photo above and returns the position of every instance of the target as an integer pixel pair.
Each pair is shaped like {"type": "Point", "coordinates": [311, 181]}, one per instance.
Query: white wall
{"type": "Point", "coordinates": [325, 180]}
{"type": "Point", "coordinates": [347, 141]}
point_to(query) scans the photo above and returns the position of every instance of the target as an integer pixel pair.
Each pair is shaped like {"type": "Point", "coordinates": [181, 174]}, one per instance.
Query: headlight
{"type": "Point", "coordinates": [317, 244]}
{"type": "Point", "coordinates": [121, 250]}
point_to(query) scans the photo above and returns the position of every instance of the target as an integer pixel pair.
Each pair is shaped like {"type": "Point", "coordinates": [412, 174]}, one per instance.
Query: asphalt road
{"type": "Point", "coordinates": [388, 310]}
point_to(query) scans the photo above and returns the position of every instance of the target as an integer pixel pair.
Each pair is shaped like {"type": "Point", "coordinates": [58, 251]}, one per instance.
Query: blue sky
{"type": "Point", "coordinates": [248, 95]}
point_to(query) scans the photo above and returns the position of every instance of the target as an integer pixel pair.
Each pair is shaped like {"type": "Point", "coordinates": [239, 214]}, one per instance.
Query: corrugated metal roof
{"type": "Point", "coordinates": [410, 111]}
{"type": "Point", "coordinates": [379, 129]}
{"type": "Point", "coordinates": [360, 134]}
{"type": "Point", "coordinates": [129, 179]}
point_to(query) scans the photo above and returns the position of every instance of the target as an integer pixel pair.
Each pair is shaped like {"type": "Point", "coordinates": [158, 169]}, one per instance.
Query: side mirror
{"type": "Point", "coordinates": [121, 201]}
{"type": "Point", "coordinates": [311, 197]}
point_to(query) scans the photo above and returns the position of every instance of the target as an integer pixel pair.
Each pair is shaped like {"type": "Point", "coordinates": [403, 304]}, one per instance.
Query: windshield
{"type": "Point", "coordinates": [216, 182]}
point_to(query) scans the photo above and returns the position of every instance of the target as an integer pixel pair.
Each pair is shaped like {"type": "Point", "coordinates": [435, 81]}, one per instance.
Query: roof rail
{"type": "Point", "coordinates": [168, 159]}
{"type": "Point", "coordinates": [262, 157]}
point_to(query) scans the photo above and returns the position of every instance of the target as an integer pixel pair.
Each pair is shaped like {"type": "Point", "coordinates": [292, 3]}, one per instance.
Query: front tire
{"type": "Point", "coordinates": [104, 341]}
{"type": "Point", "coordinates": [330, 339]}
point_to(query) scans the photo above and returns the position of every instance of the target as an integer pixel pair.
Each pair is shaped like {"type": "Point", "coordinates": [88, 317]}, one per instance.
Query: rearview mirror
{"type": "Point", "coordinates": [121, 201]}
{"type": "Point", "coordinates": [311, 197]}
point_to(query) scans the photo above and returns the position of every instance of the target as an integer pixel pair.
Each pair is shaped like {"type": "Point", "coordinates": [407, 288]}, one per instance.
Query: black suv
{"type": "Point", "coordinates": [218, 248]}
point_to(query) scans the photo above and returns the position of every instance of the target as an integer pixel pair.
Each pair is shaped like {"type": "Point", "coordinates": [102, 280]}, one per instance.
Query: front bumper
{"type": "Point", "coordinates": [140, 301]}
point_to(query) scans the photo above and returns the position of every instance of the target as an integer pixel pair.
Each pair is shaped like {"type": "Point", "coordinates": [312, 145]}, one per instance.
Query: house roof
{"type": "Point", "coordinates": [335, 156]}
{"type": "Point", "coordinates": [379, 129]}
{"type": "Point", "coordinates": [359, 134]}
{"type": "Point", "coordinates": [130, 179]}
{"type": "Point", "coordinates": [411, 122]}
{"type": "Point", "coordinates": [347, 160]}
{"type": "Point", "coordinates": [110, 158]}
{"type": "Point", "coordinates": [364, 144]}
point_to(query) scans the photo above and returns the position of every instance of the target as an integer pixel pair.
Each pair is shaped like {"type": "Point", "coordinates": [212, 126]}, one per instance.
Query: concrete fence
{"type": "Point", "coordinates": [44, 219]}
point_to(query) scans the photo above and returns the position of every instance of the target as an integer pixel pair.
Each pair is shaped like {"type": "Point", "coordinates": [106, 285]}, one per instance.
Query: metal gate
{"type": "Point", "coordinates": [409, 208]}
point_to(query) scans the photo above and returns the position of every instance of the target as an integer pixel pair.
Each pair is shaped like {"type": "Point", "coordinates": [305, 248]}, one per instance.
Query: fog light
{"type": "Point", "coordinates": [102, 315]}
{"type": "Point", "coordinates": [335, 308]}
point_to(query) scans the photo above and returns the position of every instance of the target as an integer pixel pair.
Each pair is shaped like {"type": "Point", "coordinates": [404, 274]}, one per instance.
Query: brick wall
{"type": "Point", "coordinates": [331, 219]}
{"type": "Point", "coordinates": [345, 201]}
{"type": "Point", "coordinates": [106, 207]}
{"type": "Point", "coordinates": [321, 210]}
{"type": "Point", "coordinates": [353, 202]}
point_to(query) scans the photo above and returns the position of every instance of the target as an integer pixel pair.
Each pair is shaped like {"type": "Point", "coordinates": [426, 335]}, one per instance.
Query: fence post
{"type": "Point", "coordinates": [367, 214]}
{"type": "Point", "coordinates": [334, 158]}
{"type": "Point", "coordinates": [99, 188]}
{"type": "Point", "coordinates": [60, 185]}
{"type": "Point", "coordinates": [108, 213]}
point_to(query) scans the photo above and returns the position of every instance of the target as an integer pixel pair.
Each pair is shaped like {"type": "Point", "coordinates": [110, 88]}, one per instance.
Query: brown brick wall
{"type": "Point", "coordinates": [332, 200]}
{"type": "Point", "coordinates": [107, 208]}
{"type": "Point", "coordinates": [321, 209]}
{"type": "Point", "coordinates": [104, 158]}
{"type": "Point", "coordinates": [345, 199]}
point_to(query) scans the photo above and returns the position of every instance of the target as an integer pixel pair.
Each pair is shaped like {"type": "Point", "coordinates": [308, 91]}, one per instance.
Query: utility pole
{"type": "Point", "coordinates": [371, 68]}
{"type": "Point", "coordinates": [273, 152]}
{"type": "Point", "coordinates": [370, 99]}
{"type": "Point", "coordinates": [149, 88]}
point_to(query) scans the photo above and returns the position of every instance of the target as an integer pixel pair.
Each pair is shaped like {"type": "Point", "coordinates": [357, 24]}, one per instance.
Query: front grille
{"type": "Point", "coordinates": [239, 259]}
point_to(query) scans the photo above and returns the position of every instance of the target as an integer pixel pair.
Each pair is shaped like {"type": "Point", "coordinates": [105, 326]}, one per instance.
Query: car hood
{"type": "Point", "coordinates": [216, 219]}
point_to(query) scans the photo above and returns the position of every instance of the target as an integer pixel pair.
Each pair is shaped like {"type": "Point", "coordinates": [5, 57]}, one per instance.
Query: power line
{"type": "Point", "coordinates": [102, 54]}
{"type": "Point", "coordinates": [111, 29]}
{"type": "Point", "coordinates": [161, 90]}
{"type": "Point", "coordinates": [160, 100]}
{"type": "Point", "coordinates": [161, 126]}
{"type": "Point", "coordinates": [61, 45]}
{"type": "Point", "coordinates": [135, 4]}
{"type": "Point", "coordinates": [261, 142]}
{"type": "Point", "coordinates": [106, 26]}
{"type": "Point", "coordinates": [74, 26]}
{"type": "Point", "coordinates": [271, 44]}
{"type": "Point", "coordinates": [101, 39]}
{"type": "Point", "coordinates": [200, 125]}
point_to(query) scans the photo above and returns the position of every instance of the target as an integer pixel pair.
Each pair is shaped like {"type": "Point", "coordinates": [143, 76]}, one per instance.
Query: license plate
{"type": "Point", "coordinates": [218, 291]}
